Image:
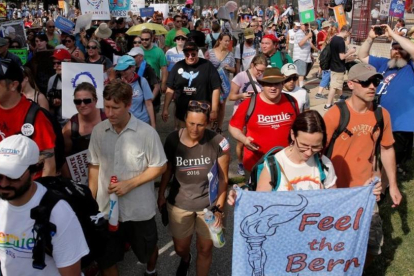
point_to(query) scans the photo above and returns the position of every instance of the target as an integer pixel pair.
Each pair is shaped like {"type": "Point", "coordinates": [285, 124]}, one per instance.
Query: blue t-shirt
{"type": "Point", "coordinates": [189, 13]}
{"type": "Point", "coordinates": [138, 108]}
{"type": "Point", "coordinates": [398, 96]}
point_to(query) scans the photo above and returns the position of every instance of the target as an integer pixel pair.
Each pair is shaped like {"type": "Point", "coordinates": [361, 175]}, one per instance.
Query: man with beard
{"type": "Point", "coordinates": [394, 92]}
{"type": "Point", "coordinates": [274, 57]}
{"type": "Point", "coordinates": [245, 53]}
{"type": "Point", "coordinates": [19, 162]}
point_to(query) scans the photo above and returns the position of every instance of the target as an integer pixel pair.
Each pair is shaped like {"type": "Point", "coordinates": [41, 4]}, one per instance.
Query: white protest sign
{"type": "Point", "coordinates": [136, 5]}
{"type": "Point", "coordinates": [74, 74]}
{"type": "Point", "coordinates": [98, 8]}
{"type": "Point", "coordinates": [78, 166]}
{"type": "Point", "coordinates": [164, 8]}
{"type": "Point", "coordinates": [83, 22]}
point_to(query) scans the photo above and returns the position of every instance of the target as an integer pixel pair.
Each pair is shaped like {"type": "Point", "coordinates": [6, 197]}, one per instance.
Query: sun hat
{"type": "Point", "coordinates": [325, 24]}
{"type": "Point", "coordinates": [103, 31]}
{"type": "Point", "coordinates": [272, 75]}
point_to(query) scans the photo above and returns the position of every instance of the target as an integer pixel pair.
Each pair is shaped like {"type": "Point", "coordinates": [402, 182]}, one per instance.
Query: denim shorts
{"type": "Point", "coordinates": [326, 78]}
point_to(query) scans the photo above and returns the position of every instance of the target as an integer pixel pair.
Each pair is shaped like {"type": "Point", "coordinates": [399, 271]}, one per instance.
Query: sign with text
{"type": "Point", "coordinates": [74, 74]}
{"type": "Point", "coordinates": [306, 11]}
{"type": "Point", "coordinates": [78, 166]}
{"type": "Point", "coordinates": [21, 53]}
{"type": "Point", "coordinates": [385, 7]}
{"type": "Point", "coordinates": [64, 24]}
{"type": "Point", "coordinates": [397, 8]}
{"type": "Point", "coordinates": [314, 232]}
{"type": "Point", "coordinates": [98, 8]}
{"type": "Point", "coordinates": [119, 8]}
{"type": "Point", "coordinates": [136, 5]}
{"type": "Point", "coordinates": [340, 16]}
{"type": "Point", "coordinates": [146, 12]}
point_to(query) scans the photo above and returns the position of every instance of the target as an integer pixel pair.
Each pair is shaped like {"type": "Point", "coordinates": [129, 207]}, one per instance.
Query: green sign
{"type": "Point", "coordinates": [21, 53]}
{"type": "Point", "coordinates": [307, 16]}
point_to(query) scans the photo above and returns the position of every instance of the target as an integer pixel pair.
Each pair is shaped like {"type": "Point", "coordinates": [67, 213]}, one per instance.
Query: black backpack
{"type": "Point", "coordinates": [348, 5]}
{"type": "Point", "coordinates": [59, 141]}
{"type": "Point", "coordinates": [342, 127]}
{"type": "Point", "coordinates": [325, 58]}
{"type": "Point", "coordinates": [83, 204]}
{"type": "Point", "coordinates": [213, 41]}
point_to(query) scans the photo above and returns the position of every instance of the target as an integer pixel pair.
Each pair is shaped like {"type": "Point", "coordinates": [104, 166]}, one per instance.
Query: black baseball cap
{"type": "Point", "coordinates": [10, 70]}
{"type": "Point", "coordinates": [190, 46]}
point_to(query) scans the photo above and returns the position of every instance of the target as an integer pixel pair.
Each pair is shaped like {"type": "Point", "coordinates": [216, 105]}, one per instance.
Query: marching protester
{"type": "Point", "coordinates": [245, 53]}
{"type": "Point", "coordinates": [178, 26]}
{"type": "Point", "coordinates": [4, 51]}
{"type": "Point", "coordinates": [31, 91]}
{"type": "Point", "coordinates": [70, 43]}
{"type": "Point", "coordinates": [290, 71]}
{"type": "Point", "coordinates": [274, 57]}
{"type": "Point", "coordinates": [94, 56]}
{"type": "Point", "coordinates": [176, 53]}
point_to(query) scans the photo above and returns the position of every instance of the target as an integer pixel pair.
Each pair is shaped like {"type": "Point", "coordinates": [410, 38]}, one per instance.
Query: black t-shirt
{"type": "Point", "coordinates": [190, 186]}
{"type": "Point", "coordinates": [337, 47]}
{"type": "Point", "coordinates": [192, 82]}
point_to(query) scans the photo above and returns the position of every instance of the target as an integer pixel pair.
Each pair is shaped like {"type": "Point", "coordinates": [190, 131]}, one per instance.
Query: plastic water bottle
{"type": "Point", "coordinates": [113, 208]}
{"type": "Point", "coordinates": [216, 233]}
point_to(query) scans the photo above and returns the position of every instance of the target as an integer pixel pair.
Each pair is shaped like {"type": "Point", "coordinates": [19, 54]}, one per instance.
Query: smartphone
{"type": "Point", "coordinates": [378, 31]}
{"type": "Point", "coordinates": [255, 145]}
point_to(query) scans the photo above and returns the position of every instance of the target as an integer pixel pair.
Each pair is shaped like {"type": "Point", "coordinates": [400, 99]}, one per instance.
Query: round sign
{"type": "Point", "coordinates": [180, 71]}
{"type": "Point", "coordinates": [27, 129]}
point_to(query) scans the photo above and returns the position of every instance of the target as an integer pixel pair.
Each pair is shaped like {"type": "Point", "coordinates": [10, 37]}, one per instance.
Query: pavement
{"type": "Point", "coordinates": [168, 260]}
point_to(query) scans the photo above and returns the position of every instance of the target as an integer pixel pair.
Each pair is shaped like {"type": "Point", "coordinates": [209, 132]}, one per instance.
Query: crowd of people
{"type": "Point", "coordinates": [197, 64]}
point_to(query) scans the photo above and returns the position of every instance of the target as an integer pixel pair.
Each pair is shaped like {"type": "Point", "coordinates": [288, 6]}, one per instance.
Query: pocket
{"type": "Point", "coordinates": [136, 161]}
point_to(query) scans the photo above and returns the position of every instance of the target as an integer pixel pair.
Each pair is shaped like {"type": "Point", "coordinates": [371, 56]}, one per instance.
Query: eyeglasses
{"type": "Point", "coordinates": [294, 78]}
{"type": "Point", "coordinates": [304, 148]}
{"type": "Point", "coordinates": [259, 71]}
{"type": "Point", "coordinates": [80, 101]}
{"type": "Point", "coordinates": [57, 63]}
{"type": "Point", "coordinates": [67, 41]}
{"type": "Point", "coordinates": [202, 105]}
{"type": "Point", "coordinates": [193, 54]}
{"type": "Point", "coordinates": [137, 42]}
{"type": "Point", "coordinates": [368, 82]}
{"type": "Point", "coordinates": [145, 39]}
{"type": "Point", "coordinates": [91, 47]}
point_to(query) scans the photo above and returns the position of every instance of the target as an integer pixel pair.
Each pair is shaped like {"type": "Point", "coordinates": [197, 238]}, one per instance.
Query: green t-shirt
{"type": "Point", "coordinates": [276, 60]}
{"type": "Point", "coordinates": [169, 39]}
{"type": "Point", "coordinates": [155, 57]}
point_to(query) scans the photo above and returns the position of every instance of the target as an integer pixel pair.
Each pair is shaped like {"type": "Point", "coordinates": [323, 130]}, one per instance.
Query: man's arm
{"type": "Point", "coordinates": [168, 98]}
{"type": "Point", "coordinates": [215, 101]}
{"type": "Point", "coordinates": [166, 176]}
{"type": "Point", "coordinates": [363, 53]}
{"type": "Point", "coordinates": [164, 76]}
{"type": "Point", "coordinates": [49, 168]}
{"type": "Point", "coordinates": [238, 65]}
{"type": "Point", "coordinates": [405, 43]}
{"type": "Point", "coordinates": [93, 173]}
{"type": "Point", "coordinates": [72, 270]}
{"type": "Point", "coordinates": [389, 163]}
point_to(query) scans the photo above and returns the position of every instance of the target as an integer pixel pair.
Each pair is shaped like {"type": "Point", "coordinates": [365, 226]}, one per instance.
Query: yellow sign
{"type": "Point", "coordinates": [61, 4]}
{"type": "Point", "coordinates": [340, 16]}
{"type": "Point", "coordinates": [3, 11]}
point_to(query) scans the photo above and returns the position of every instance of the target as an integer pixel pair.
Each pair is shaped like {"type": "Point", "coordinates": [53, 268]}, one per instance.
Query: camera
{"type": "Point", "coordinates": [378, 30]}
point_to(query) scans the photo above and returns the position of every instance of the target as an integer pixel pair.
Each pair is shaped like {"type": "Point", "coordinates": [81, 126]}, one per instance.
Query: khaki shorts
{"type": "Point", "coordinates": [376, 237]}
{"type": "Point", "coordinates": [183, 223]}
{"type": "Point", "coordinates": [337, 80]}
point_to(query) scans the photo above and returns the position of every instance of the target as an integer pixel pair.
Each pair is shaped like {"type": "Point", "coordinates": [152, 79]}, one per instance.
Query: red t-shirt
{"type": "Point", "coordinates": [321, 37]}
{"type": "Point", "coordinates": [269, 126]}
{"type": "Point", "coordinates": [12, 120]}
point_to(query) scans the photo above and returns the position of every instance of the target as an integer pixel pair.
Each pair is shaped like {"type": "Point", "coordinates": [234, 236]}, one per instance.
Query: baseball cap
{"type": "Point", "coordinates": [289, 69]}
{"type": "Point", "coordinates": [326, 24]}
{"type": "Point", "coordinates": [3, 41]}
{"type": "Point", "coordinates": [362, 72]}
{"type": "Point", "coordinates": [61, 54]}
{"type": "Point", "coordinates": [17, 153]}
{"type": "Point", "coordinates": [124, 62]}
{"type": "Point", "coordinates": [297, 24]}
{"type": "Point", "coordinates": [271, 37]}
{"type": "Point", "coordinates": [10, 70]}
{"type": "Point", "coordinates": [248, 33]}
{"type": "Point", "coordinates": [136, 51]}
{"type": "Point", "coordinates": [190, 46]}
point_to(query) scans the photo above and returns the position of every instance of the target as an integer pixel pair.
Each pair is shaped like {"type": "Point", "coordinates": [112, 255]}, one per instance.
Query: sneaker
{"type": "Point", "coordinates": [320, 96]}
{"type": "Point", "coordinates": [240, 169]}
{"type": "Point", "coordinates": [182, 269]}
{"type": "Point", "coordinates": [326, 107]}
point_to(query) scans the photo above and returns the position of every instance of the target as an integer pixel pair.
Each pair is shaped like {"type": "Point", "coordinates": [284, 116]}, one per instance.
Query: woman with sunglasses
{"type": "Point", "coordinates": [31, 91]}
{"type": "Point", "coordinates": [193, 152]}
{"type": "Point", "coordinates": [93, 50]}
{"type": "Point", "coordinates": [70, 43]}
{"type": "Point", "coordinates": [225, 63]}
{"type": "Point", "coordinates": [136, 42]}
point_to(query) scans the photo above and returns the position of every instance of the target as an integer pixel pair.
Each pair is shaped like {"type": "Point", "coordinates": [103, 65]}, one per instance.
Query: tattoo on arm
{"type": "Point", "coordinates": [46, 154]}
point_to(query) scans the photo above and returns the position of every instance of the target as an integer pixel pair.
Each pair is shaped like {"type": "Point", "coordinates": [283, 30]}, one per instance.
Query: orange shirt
{"type": "Point", "coordinates": [352, 156]}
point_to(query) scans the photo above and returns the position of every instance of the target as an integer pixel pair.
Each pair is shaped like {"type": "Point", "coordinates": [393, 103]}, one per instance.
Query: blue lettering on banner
{"type": "Point", "coordinates": [64, 24]}
{"type": "Point", "coordinates": [225, 83]}
{"type": "Point", "coordinates": [313, 232]}
{"type": "Point", "coordinates": [146, 12]}
{"type": "Point", "coordinates": [213, 183]}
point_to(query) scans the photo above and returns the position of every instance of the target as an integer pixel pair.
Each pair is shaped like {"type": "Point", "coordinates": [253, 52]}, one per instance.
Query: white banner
{"type": "Point", "coordinates": [83, 22]}
{"type": "Point", "coordinates": [164, 8]}
{"type": "Point", "coordinates": [136, 5]}
{"type": "Point", "coordinates": [98, 8]}
{"type": "Point", "coordinates": [385, 7]}
{"type": "Point", "coordinates": [78, 166]}
{"type": "Point", "coordinates": [74, 74]}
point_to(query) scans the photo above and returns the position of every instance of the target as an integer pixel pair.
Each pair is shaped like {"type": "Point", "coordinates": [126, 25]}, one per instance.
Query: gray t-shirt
{"type": "Point", "coordinates": [190, 187]}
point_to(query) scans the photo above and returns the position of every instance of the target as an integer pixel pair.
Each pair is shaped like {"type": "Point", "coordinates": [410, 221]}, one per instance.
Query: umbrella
{"type": "Point", "coordinates": [137, 29]}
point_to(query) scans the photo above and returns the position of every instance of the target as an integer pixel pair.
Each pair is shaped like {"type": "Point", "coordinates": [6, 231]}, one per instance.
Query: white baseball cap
{"type": "Point", "coordinates": [289, 69]}
{"type": "Point", "coordinates": [297, 24]}
{"type": "Point", "coordinates": [17, 153]}
{"type": "Point", "coordinates": [135, 51]}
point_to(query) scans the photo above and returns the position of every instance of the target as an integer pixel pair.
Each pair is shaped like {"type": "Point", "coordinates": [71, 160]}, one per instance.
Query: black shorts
{"type": "Point", "coordinates": [141, 235]}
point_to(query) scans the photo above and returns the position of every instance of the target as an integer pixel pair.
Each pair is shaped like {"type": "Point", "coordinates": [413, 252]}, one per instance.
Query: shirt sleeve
{"type": "Point", "coordinates": [377, 62]}
{"type": "Point", "coordinates": [238, 119]}
{"type": "Point", "coordinates": [331, 177]}
{"type": "Point", "coordinates": [146, 90]}
{"type": "Point", "coordinates": [163, 59]}
{"type": "Point", "coordinates": [331, 119]}
{"type": "Point", "coordinates": [152, 77]}
{"type": "Point", "coordinates": [171, 77]}
{"type": "Point", "coordinates": [155, 153]}
{"type": "Point", "coordinates": [94, 148]}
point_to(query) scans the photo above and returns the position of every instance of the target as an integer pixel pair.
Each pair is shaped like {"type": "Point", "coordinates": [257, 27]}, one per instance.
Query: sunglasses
{"type": "Point", "coordinates": [91, 47]}
{"type": "Point", "coordinates": [180, 38]}
{"type": "Point", "coordinates": [368, 82]}
{"type": "Point", "coordinates": [137, 42]}
{"type": "Point", "coordinates": [190, 54]}
{"type": "Point", "coordinates": [67, 41]}
{"type": "Point", "coordinates": [145, 39]}
{"type": "Point", "coordinates": [203, 106]}
{"type": "Point", "coordinates": [294, 78]}
{"type": "Point", "coordinates": [80, 101]}
{"type": "Point", "coordinates": [51, 26]}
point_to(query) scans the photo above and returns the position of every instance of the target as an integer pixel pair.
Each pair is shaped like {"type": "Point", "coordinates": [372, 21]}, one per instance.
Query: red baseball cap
{"type": "Point", "coordinates": [272, 38]}
{"type": "Point", "coordinates": [62, 54]}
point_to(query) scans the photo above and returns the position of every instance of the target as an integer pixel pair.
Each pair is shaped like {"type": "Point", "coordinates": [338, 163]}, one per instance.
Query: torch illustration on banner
{"type": "Point", "coordinates": [263, 223]}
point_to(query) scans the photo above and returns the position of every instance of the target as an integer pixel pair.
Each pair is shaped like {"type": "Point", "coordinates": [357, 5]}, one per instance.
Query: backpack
{"type": "Point", "coordinates": [348, 5]}
{"type": "Point", "coordinates": [275, 169]}
{"type": "Point", "coordinates": [325, 58]}
{"type": "Point", "coordinates": [213, 40]}
{"type": "Point", "coordinates": [342, 127]}
{"type": "Point", "coordinates": [79, 197]}
{"type": "Point", "coordinates": [59, 149]}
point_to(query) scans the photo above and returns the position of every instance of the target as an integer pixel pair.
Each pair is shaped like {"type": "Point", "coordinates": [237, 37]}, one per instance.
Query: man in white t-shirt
{"type": "Point", "coordinates": [289, 70]}
{"type": "Point", "coordinates": [291, 37]}
{"type": "Point", "coordinates": [375, 15]}
{"type": "Point", "coordinates": [243, 62]}
{"type": "Point", "coordinates": [19, 157]}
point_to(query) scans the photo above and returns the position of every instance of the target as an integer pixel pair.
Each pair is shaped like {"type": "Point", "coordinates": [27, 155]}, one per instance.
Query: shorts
{"type": "Point", "coordinates": [376, 237]}
{"type": "Point", "coordinates": [337, 80]}
{"type": "Point", "coordinates": [183, 223]}
{"type": "Point", "coordinates": [326, 78]}
{"type": "Point", "coordinates": [301, 67]}
{"type": "Point", "coordinates": [141, 235]}
{"type": "Point", "coordinates": [290, 49]}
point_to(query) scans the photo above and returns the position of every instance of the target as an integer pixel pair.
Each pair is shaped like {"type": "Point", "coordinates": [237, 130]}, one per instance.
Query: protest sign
{"type": "Point", "coordinates": [15, 30]}
{"type": "Point", "coordinates": [385, 7]}
{"type": "Point", "coordinates": [98, 8]}
{"type": "Point", "coordinates": [64, 24]}
{"type": "Point", "coordinates": [340, 16]}
{"type": "Point", "coordinates": [164, 8]}
{"type": "Point", "coordinates": [21, 53]}
{"type": "Point", "coordinates": [83, 22]}
{"type": "Point", "coordinates": [146, 12]}
{"type": "Point", "coordinates": [74, 74]}
{"type": "Point", "coordinates": [3, 11]}
{"type": "Point", "coordinates": [61, 4]}
{"type": "Point", "coordinates": [225, 82]}
{"type": "Point", "coordinates": [314, 232]}
{"type": "Point", "coordinates": [78, 166]}
{"type": "Point", "coordinates": [213, 183]}
{"type": "Point", "coordinates": [136, 5]}
{"type": "Point", "coordinates": [119, 8]}
{"type": "Point", "coordinates": [397, 8]}
{"type": "Point", "coordinates": [306, 11]}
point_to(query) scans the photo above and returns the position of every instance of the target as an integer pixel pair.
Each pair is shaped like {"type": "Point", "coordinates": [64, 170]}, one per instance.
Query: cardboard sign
{"type": "Point", "coordinates": [136, 5]}
{"type": "Point", "coordinates": [340, 16]}
{"type": "Point", "coordinates": [78, 166]}
{"type": "Point", "coordinates": [213, 183]}
{"type": "Point", "coordinates": [98, 8]}
{"type": "Point", "coordinates": [306, 11]}
{"type": "Point", "coordinates": [64, 24]}
{"type": "Point", "coordinates": [74, 74]}
{"type": "Point", "coordinates": [146, 12]}
{"type": "Point", "coordinates": [385, 7]}
{"type": "Point", "coordinates": [119, 8]}
{"type": "Point", "coordinates": [164, 8]}
{"type": "Point", "coordinates": [21, 53]}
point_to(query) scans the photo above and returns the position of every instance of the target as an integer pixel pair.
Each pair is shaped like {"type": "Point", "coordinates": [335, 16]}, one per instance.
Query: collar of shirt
{"type": "Point", "coordinates": [132, 125]}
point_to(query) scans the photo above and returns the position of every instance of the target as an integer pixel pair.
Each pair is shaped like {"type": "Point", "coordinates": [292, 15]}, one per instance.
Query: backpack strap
{"type": "Point", "coordinates": [379, 125]}
{"type": "Point", "coordinates": [321, 168]}
{"type": "Point", "coordinates": [74, 126]}
{"type": "Point", "coordinates": [343, 123]}
{"type": "Point", "coordinates": [252, 103]}
{"type": "Point", "coordinates": [292, 101]}
{"type": "Point", "coordinates": [241, 53]}
{"type": "Point", "coordinates": [143, 98]}
{"type": "Point", "coordinates": [274, 170]}
{"type": "Point", "coordinates": [31, 115]}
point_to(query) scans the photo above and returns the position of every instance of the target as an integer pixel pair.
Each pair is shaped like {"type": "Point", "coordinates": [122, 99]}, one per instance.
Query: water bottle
{"type": "Point", "coordinates": [113, 208]}
{"type": "Point", "coordinates": [216, 233]}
